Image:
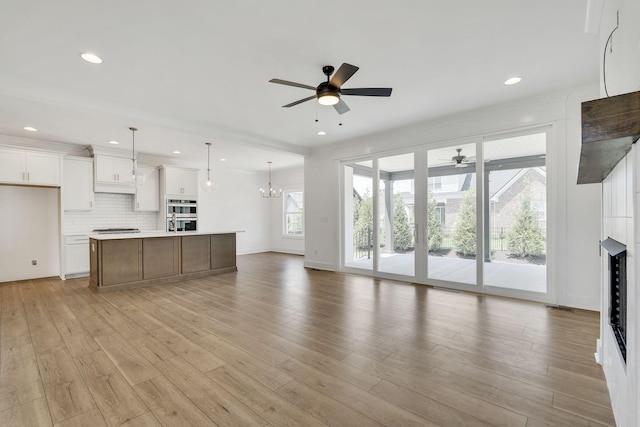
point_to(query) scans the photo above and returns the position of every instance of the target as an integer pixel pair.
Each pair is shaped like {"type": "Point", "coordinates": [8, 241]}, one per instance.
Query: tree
{"type": "Point", "coordinates": [526, 238]}
{"type": "Point", "coordinates": [364, 213]}
{"type": "Point", "coordinates": [464, 237]}
{"type": "Point", "coordinates": [402, 238]}
{"type": "Point", "coordinates": [433, 225]}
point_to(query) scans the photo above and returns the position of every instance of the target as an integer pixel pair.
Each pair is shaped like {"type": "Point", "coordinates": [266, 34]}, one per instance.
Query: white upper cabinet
{"type": "Point", "coordinates": [113, 170]}
{"type": "Point", "coordinates": [29, 168]}
{"type": "Point", "coordinates": [179, 181]}
{"type": "Point", "coordinates": [148, 194]}
{"type": "Point", "coordinates": [113, 174]}
{"type": "Point", "coordinates": [77, 186]}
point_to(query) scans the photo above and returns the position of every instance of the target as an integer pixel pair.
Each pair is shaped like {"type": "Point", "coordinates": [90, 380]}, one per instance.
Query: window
{"type": "Point", "coordinates": [435, 183]}
{"type": "Point", "coordinates": [293, 213]}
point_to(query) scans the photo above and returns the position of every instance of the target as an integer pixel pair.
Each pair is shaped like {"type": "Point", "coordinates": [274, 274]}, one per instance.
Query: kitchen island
{"type": "Point", "coordinates": [120, 261]}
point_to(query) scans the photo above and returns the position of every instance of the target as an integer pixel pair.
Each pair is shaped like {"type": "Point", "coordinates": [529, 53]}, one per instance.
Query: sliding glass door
{"type": "Point", "coordinates": [396, 215]}
{"type": "Point", "coordinates": [466, 215]}
{"type": "Point", "coordinates": [451, 216]}
{"type": "Point", "coordinates": [379, 215]}
{"type": "Point", "coordinates": [358, 215]}
{"type": "Point", "coordinates": [515, 212]}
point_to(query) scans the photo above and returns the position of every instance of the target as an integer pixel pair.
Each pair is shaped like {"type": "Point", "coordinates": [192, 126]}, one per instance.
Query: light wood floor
{"type": "Point", "coordinates": [275, 344]}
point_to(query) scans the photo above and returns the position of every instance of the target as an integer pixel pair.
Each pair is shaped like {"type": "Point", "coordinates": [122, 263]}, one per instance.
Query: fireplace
{"type": "Point", "coordinates": [618, 292]}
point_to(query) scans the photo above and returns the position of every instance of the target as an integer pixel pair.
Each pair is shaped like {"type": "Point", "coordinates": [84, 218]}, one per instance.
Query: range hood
{"type": "Point", "coordinates": [609, 127]}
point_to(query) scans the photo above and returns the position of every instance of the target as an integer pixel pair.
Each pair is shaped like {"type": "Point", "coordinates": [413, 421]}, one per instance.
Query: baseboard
{"type": "Point", "coordinates": [288, 251]}
{"type": "Point", "coordinates": [249, 251]}
{"type": "Point", "coordinates": [319, 265]}
{"type": "Point", "coordinates": [598, 353]}
{"type": "Point", "coordinates": [75, 275]}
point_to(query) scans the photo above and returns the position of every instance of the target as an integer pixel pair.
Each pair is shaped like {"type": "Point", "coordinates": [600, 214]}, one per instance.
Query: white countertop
{"type": "Point", "coordinates": [147, 234]}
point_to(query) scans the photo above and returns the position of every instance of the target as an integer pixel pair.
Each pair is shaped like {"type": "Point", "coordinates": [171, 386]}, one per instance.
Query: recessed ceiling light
{"type": "Point", "coordinates": [30, 129]}
{"type": "Point", "coordinates": [223, 160]}
{"type": "Point", "coordinates": [114, 142]}
{"type": "Point", "coordinates": [176, 152]}
{"type": "Point", "coordinates": [321, 132]}
{"type": "Point", "coordinates": [512, 81]}
{"type": "Point", "coordinates": [91, 57]}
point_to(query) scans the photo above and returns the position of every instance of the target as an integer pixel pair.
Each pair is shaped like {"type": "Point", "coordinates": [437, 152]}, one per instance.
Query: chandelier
{"type": "Point", "coordinates": [271, 192]}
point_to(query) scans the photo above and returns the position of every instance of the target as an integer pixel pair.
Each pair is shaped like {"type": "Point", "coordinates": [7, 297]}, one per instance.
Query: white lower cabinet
{"type": "Point", "coordinates": [76, 254]}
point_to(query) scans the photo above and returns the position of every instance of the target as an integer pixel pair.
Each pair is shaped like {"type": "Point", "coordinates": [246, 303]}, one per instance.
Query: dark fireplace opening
{"type": "Point", "coordinates": [618, 292]}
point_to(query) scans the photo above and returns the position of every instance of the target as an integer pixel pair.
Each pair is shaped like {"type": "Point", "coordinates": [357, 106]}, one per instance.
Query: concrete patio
{"type": "Point", "coordinates": [525, 277]}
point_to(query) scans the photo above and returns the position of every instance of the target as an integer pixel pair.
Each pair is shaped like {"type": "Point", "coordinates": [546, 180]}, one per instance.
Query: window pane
{"type": "Point", "coordinates": [451, 214]}
{"type": "Point", "coordinates": [294, 213]}
{"type": "Point", "coordinates": [396, 206]}
{"type": "Point", "coordinates": [515, 203]}
{"type": "Point", "coordinates": [358, 221]}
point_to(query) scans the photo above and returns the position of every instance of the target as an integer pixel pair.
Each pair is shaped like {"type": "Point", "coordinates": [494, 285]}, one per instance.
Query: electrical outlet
{"type": "Point", "coordinates": [34, 262]}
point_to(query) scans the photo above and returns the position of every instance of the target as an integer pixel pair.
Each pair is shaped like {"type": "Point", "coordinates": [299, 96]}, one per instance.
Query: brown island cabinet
{"type": "Point", "coordinates": [119, 261]}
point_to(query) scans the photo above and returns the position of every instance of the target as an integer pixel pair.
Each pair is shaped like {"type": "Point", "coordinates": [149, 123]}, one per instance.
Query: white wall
{"type": "Point", "coordinates": [236, 205]}
{"type": "Point", "coordinates": [620, 207]}
{"type": "Point", "coordinates": [575, 267]}
{"type": "Point", "coordinates": [286, 180]}
{"type": "Point", "coordinates": [29, 230]}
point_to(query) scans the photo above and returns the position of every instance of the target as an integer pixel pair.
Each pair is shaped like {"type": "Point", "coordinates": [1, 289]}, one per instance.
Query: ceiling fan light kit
{"type": "Point", "coordinates": [329, 92]}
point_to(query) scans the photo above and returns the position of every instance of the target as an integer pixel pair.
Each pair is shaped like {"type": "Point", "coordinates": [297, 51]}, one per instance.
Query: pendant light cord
{"type": "Point", "coordinates": [604, 55]}
{"type": "Point", "coordinates": [208, 161]}
{"type": "Point", "coordinates": [133, 149]}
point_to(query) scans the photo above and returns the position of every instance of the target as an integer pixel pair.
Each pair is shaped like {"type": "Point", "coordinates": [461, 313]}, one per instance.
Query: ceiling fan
{"type": "Point", "coordinates": [328, 93]}
{"type": "Point", "coordinates": [459, 160]}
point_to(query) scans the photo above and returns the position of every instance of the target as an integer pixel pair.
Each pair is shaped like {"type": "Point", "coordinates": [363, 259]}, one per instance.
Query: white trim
{"type": "Point", "coordinates": [287, 251]}
{"type": "Point", "coordinates": [319, 265]}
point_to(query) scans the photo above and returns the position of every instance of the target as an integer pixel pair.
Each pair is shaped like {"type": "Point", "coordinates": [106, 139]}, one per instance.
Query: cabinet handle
{"type": "Point", "coordinates": [90, 203]}
{"type": "Point", "coordinates": [23, 177]}
{"type": "Point", "coordinates": [28, 177]}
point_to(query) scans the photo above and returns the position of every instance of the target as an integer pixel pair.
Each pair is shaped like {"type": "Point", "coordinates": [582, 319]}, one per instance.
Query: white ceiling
{"type": "Point", "coordinates": [189, 72]}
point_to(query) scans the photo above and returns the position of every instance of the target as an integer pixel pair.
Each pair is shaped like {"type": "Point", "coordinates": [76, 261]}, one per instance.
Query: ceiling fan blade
{"type": "Point", "coordinates": [343, 74]}
{"type": "Point", "coordinates": [299, 101]}
{"type": "Point", "coordinates": [368, 91]}
{"type": "Point", "coordinates": [288, 83]}
{"type": "Point", "coordinates": [342, 107]}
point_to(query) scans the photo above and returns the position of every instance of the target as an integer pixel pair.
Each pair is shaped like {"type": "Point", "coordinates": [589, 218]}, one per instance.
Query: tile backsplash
{"type": "Point", "coordinates": [109, 211]}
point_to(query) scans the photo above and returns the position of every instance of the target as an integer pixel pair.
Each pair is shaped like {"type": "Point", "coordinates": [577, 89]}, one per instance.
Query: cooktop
{"type": "Point", "coordinates": [116, 230]}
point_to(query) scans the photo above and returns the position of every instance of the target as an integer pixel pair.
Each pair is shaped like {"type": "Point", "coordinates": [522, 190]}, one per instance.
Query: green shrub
{"type": "Point", "coordinates": [434, 227]}
{"type": "Point", "coordinates": [526, 238]}
{"type": "Point", "coordinates": [464, 236]}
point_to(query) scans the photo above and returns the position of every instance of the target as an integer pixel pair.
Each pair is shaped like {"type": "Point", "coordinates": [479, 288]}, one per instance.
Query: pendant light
{"type": "Point", "coordinates": [137, 176]}
{"type": "Point", "coordinates": [206, 183]}
{"type": "Point", "coordinates": [270, 193]}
